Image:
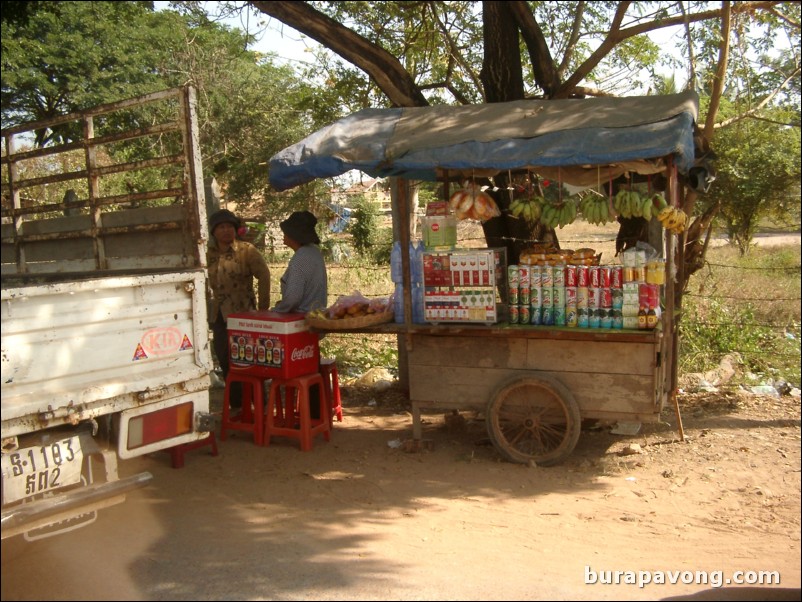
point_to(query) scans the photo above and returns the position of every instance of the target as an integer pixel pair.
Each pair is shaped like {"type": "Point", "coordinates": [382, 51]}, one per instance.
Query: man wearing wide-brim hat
{"type": "Point", "coordinates": [304, 285]}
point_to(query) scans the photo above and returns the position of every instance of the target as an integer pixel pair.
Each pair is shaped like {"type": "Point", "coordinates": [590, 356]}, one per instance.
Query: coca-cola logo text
{"type": "Point", "coordinates": [303, 353]}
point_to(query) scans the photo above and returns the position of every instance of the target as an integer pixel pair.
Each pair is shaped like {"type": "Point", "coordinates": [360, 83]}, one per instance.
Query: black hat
{"type": "Point", "coordinates": [221, 217]}
{"type": "Point", "coordinates": [300, 226]}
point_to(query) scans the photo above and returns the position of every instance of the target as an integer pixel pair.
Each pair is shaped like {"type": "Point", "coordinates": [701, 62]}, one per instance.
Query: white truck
{"type": "Point", "coordinates": [105, 341]}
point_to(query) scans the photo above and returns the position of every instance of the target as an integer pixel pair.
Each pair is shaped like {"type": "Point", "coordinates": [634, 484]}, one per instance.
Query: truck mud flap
{"type": "Point", "coordinates": [42, 513]}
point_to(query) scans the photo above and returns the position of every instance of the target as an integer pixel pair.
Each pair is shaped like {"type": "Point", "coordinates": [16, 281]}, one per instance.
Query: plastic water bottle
{"type": "Point", "coordinates": [398, 303]}
{"type": "Point", "coordinates": [416, 262]}
{"type": "Point", "coordinates": [396, 270]}
{"type": "Point", "coordinates": [417, 304]}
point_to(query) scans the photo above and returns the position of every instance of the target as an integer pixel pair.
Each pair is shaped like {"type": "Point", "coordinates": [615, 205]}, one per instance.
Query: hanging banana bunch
{"type": "Point", "coordinates": [629, 203]}
{"type": "Point", "coordinates": [673, 219]}
{"type": "Point", "coordinates": [528, 208]}
{"type": "Point", "coordinates": [596, 210]}
{"type": "Point", "coordinates": [559, 214]}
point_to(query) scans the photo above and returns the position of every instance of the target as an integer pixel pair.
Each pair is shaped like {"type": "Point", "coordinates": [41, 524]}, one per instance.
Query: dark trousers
{"type": "Point", "coordinates": [221, 350]}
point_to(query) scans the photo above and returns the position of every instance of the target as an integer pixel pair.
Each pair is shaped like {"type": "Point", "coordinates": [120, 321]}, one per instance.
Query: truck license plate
{"type": "Point", "coordinates": [33, 470]}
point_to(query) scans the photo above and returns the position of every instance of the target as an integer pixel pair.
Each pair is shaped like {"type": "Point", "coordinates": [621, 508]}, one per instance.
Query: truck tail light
{"type": "Point", "coordinates": [160, 425]}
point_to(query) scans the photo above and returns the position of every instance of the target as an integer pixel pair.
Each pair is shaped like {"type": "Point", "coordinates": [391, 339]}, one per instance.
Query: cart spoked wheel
{"type": "Point", "coordinates": [534, 419]}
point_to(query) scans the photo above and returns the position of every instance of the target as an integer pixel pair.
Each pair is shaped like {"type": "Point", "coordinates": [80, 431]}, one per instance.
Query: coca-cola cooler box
{"type": "Point", "coordinates": [272, 344]}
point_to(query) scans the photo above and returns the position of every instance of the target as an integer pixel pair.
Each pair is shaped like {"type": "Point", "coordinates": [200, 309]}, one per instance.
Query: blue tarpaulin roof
{"type": "Point", "coordinates": [578, 140]}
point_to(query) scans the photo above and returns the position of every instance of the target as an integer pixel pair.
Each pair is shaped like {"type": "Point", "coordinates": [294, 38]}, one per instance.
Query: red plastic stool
{"type": "Point", "coordinates": [328, 369]}
{"type": "Point", "coordinates": [177, 452]}
{"type": "Point", "coordinates": [282, 412]}
{"type": "Point", "coordinates": [250, 417]}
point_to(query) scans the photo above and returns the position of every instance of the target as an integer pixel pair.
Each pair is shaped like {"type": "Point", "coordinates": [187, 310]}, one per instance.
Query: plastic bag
{"type": "Point", "coordinates": [356, 305]}
{"type": "Point", "coordinates": [471, 202]}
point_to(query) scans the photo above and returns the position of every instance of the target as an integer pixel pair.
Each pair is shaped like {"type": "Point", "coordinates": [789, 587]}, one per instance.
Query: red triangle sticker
{"type": "Point", "coordinates": [185, 344]}
{"type": "Point", "coordinates": [140, 354]}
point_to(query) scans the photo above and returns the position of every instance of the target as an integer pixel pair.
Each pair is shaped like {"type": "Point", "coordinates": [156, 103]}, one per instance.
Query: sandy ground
{"type": "Point", "coordinates": [358, 518]}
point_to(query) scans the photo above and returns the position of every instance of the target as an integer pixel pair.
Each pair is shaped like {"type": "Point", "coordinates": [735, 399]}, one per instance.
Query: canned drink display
{"type": "Point", "coordinates": [547, 316]}
{"type": "Point", "coordinates": [535, 297]}
{"type": "Point", "coordinates": [605, 277]}
{"type": "Point", "coordinates": [524, 316]}
{"type": "Point", "coordinates": [582, 296]}
{"type": "Point", "coordinates": [570, 276]}
{"type": "Point", "coordinates": [594, 297]}
{"type": "Point", "coordinates": [630, 274]}
{"type": "Point", "coordinates": [546, 298]}
{"type": "Point", "coordinates": [594, 318]}
{"type": "Point", "coordinates": [513, 276]}
{"type": "Point", "coordinates": [547, 277]}
{"type": "Point", "coordinates": [606, 318]}
{"type": "Point", "coordinates": [571, 318]}
{"type": "Point", "coordinates": [524, 297]}
{"type": "Point", "coordinates": [582, 317]}
{"type": "Point", "coordinates": [618, 298]}
{"type": "Point", "coordinates": [513, 313]}
{"type": "Point", "coordinates": [523, 276]}
{"type": "Point", "coordinates": [513, 296]}
{"type": "Point", "coordinates": [593, 276]}
{"type": "Point", "coordinates": [571, 296]}
{"type": "Point", "coordinates": [616, 277]}
{"type": "Point", "coordinates": [606, 297]}
{"type": "Point", "coordinates": [535, 315]}
{"type": "Point", "coordinates": [558, 296]}
{"type": "Point", "coordinates": [558, 275]}
{"type": "Point", "coordinates": [559, 316]}
{"type": "Point", "coordinates": [535, 276]}
{"type": "Point", "coordinates": [582, 277]}
{"type": "Point", "coordinates": [618, 319]}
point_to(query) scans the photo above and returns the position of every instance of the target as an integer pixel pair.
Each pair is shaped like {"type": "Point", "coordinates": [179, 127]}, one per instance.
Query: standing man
{"type": "Point", "coordinates": [304, 285]}
{"type": "Point", "coordinates": [233, 264]}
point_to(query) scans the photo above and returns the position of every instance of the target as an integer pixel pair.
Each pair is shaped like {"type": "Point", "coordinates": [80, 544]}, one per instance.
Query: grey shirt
{"type": "Point", "coordinates": [304, 285]}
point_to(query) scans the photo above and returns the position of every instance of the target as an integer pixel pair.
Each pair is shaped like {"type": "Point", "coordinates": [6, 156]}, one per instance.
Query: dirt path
{"type": "Point", "coordinates": [358, 518]}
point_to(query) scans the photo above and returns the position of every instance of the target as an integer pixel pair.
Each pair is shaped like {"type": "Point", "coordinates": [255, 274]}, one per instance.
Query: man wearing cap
{"type": "Point", "coordinates": [233, 264]}
{"type": "Point", "coordinates": [304, 285]}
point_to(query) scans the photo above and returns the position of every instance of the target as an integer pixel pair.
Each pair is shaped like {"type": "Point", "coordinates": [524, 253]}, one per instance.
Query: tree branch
{"type": "Point", "coordinates": [385, 69]}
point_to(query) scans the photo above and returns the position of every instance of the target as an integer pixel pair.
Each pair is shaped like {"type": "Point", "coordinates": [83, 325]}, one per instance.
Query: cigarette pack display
{"type": "Point", "coordinates": [463, 285]}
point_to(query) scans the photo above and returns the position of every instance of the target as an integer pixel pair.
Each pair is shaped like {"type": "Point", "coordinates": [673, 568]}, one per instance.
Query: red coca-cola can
{"type": "Point", "coordinates": [617, 276]}
{"type": "Point", "coordinates": [582, 277]}
{"type": "Point", "coordinates": [593, 273]}
{"type": "Point", "coordinates": [643, 295]}
{"type": "Point", "coordinates": [594, 297]}
{"type": "Point", "coordinates": [606, 297]}
{"type": "Point", "coordinates": [570, 275]}
{"type": "Point", "coordinates": [605, 277]}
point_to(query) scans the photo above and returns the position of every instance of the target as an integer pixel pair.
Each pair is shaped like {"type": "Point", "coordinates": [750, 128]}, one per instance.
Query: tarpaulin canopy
{"type": "Point", "coordinates": [580, 141]}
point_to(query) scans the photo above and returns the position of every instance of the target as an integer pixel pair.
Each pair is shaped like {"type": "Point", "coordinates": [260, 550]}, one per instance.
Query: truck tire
{"type": "Point", "coordinates": [533, 419]}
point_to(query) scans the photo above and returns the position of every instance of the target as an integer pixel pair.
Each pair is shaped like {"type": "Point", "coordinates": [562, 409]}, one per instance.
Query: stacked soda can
{"type": "Point", "coordinates": [558, 294]}
{"type": "Point", "coordinates": [571, 317]}
{"type": "Point", "coordinates": [547, 295]}
{"type": "Point", "coordinates": [582, 292]}
{"type": "Point", "coordinates": [536, 288]}
{"type": "Point", "coordinates": [513, 285]}
{"type": "Point", "coordinates": [524, 294]}
{"type": "Point", "coordinates": [594, 298]}
{"type": "Point", "coordinates": [617, 289]}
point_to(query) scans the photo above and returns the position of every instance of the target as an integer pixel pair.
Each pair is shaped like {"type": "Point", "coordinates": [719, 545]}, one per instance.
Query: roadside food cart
{"type": "Point", "coordinates": [535, 384]}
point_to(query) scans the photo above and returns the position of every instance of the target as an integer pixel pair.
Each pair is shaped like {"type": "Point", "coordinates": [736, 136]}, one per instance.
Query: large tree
{"type": "Point", "coordinates": [61, 57]}
{"type": "Point", "coordinates": [419, 53]}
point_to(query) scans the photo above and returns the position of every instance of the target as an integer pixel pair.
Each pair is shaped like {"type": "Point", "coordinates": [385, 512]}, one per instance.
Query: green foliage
{"type": "Point", "coordinates": [364, 225]}
{"type": "Point", "coordinates": [749, 305]}
{"type": "Point", "coordinates": [758, 175]}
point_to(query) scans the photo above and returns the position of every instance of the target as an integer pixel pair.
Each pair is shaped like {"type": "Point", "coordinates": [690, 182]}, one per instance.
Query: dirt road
{"type": "Point", "coordinates": [358, 518]}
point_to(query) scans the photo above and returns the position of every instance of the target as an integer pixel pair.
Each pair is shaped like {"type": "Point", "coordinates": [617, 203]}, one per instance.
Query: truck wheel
{"type": "Point", "coordinates": [533, 419]}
